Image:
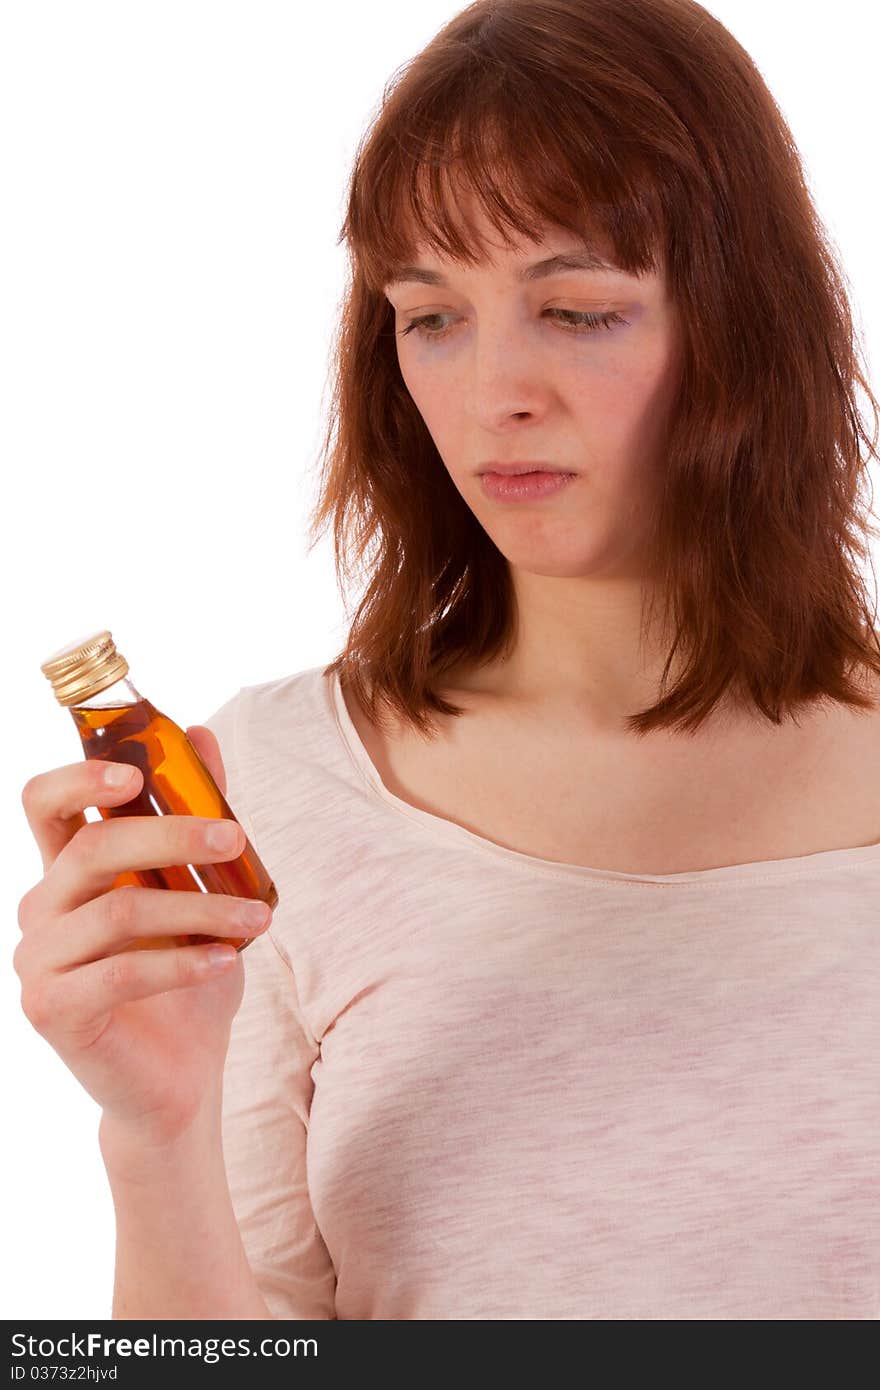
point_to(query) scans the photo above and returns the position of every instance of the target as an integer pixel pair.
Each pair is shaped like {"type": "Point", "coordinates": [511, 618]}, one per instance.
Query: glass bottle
{"type": "Point", "coordinates": [118, 724]}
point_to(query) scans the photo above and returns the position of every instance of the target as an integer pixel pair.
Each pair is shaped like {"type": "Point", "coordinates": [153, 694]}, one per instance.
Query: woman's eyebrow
{"type": "Point", "coordinates": [566, 260]}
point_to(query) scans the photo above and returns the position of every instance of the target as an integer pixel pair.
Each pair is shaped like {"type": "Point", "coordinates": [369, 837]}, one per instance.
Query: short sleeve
{"type": "Point", "coordinates": [267, 1093]}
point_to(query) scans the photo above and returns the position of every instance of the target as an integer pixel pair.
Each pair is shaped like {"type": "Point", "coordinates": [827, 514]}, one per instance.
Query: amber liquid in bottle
{"type": "Point", "coordinates": [176, 782]}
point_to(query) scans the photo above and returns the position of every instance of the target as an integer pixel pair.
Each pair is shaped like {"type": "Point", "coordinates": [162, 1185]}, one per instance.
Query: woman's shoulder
{"type": "Point", "coordinates": [269, 722]}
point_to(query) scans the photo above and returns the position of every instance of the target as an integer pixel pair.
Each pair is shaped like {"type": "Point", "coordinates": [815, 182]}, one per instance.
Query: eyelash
{"type": "Point", "coordinates": [592, 322]}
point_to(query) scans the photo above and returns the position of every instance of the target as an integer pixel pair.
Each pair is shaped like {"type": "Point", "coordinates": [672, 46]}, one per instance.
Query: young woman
{"type": "Point", "coordinates": [569, 1006]}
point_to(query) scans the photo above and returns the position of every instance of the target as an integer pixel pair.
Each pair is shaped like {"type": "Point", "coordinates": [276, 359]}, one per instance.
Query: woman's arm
{"type": "Point", "coordinates": [179, 1252]}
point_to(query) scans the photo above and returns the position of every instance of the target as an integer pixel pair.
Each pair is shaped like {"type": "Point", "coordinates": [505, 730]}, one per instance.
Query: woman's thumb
{"type": "Point", "coordinates": [208, 749]}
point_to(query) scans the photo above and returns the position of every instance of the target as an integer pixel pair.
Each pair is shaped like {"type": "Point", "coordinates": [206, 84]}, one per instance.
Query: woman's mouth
{"type": "Point", "coordinates": [524, 487]}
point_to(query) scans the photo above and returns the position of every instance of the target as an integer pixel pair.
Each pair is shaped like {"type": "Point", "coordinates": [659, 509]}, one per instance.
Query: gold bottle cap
{"type": "Point", "coordinates": [82, 669]}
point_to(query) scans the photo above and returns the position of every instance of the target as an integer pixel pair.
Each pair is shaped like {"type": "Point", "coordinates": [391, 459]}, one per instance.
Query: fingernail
{"type": "Point", "coordinates": [225, 835]}
{"type": "Point", "coordinates": [117, 775]}
{"type": "Point", "coordinates": [217, 957]}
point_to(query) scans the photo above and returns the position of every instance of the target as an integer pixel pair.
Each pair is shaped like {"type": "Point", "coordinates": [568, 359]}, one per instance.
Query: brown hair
{"type": "Point", "coordinates": [643, 126]}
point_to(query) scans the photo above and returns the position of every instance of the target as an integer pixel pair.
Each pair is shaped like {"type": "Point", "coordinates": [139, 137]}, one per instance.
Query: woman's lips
{"type": "Point", "coordinates": [524, 487]}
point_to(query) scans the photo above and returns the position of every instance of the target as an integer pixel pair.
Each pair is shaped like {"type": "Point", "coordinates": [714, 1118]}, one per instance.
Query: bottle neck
{"type": "Point", "coordinates": [121, 692]}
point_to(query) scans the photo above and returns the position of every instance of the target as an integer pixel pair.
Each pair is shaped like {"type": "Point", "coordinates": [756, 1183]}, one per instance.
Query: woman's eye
{"type": "Point", "coordinates": [572, 321]}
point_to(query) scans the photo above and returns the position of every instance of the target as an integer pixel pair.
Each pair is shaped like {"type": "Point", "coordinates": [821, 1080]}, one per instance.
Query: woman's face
{"type": "Point", "coordinates": [575, 369]}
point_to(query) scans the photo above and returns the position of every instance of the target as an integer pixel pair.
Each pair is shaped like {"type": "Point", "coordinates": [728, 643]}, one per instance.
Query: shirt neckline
{"type": "Point", "coordinates": [754, 871]}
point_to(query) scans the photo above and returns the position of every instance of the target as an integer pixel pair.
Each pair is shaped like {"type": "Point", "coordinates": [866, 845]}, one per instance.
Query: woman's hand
{"type": "Point", "coordinates": [144, 1031]}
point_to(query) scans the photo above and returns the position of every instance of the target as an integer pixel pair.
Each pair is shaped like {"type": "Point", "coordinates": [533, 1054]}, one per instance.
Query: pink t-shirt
{"type": "Point", "coordinates": [468, 1083]}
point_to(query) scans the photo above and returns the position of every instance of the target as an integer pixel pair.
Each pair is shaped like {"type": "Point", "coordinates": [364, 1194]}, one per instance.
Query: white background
{"type": "Point", "coordinates": [173, 177]}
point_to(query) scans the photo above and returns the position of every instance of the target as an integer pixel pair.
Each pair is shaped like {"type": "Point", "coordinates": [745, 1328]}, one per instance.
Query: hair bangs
{"type": "Point", "coordinates": [527, 181]}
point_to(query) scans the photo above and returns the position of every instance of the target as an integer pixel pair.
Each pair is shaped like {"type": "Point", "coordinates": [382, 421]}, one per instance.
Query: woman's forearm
{"type": "Point", "coordinates": [179, 1252]}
